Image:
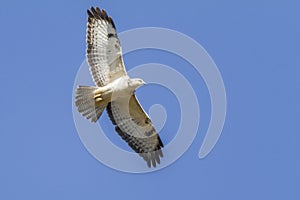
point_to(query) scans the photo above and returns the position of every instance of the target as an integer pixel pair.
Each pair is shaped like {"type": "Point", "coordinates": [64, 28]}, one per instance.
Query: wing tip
{"type": "Point", "coordinates": [151, 157]}
{"type": "Point", "coordinates": [96, 12]}
{"type": "Point", "coordinates": [89, 13]}
{"type": "Point", "coordinates": [160, 143]}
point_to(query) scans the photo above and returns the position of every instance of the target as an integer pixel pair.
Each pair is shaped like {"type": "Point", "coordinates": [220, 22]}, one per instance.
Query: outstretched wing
{"type": "Point", "coordinates": [104, 53]}
{"type": "Point", "coordinates": [136, 128]}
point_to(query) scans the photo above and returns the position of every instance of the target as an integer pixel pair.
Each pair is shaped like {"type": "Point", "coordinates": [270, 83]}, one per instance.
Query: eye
{"type": "Point", "coordinates": [129, 83]}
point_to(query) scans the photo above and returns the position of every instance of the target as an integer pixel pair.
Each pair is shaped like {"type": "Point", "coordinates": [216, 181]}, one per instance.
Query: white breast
{"type": "Point", "coordinates": [120, 88]}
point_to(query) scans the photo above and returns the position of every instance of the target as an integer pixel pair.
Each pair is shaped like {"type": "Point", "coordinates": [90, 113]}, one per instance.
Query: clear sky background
{"type": "Point", "coordinates": [255, 45]}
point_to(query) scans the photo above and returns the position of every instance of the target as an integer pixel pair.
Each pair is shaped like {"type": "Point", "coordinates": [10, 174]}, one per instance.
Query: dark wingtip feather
{"type": "Point", "coordinates": [160, 153]}
{"type": "Point", "coordinates": [153, 159]}
{"type": "Point", "coordinates": [94, 13]}
{"type": "Point", "coordinates": [111, 22]}
{"type": "Point", "coordinates": [98, 10]}
{"type": "Point", "coordinates": [157, 157]}
{"type": "Point", "coordinates": [148, 162]}
{"type": "Point", "coordinates": [100, 14]}
{"type": "Point", "coordinates": [160, 142]}
{"type": "Point", "coordinates": [89, 13]}
{"type": "Point", "coordinates": [93, 9]}
{"type": "Point", "coordinates": [104, 13]}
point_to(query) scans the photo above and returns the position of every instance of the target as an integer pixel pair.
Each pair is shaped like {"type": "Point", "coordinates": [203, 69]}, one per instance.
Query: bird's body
{"type": "Point", "coordinates": [115, 90]}
{"type": "Point", "coordinates": [122, 87]}
{"type": "Point", "coordinates": [125, 86]}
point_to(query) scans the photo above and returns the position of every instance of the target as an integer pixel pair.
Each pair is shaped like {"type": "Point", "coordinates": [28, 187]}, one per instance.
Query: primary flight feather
{"type": "Point", "coordinates": [115, 90]}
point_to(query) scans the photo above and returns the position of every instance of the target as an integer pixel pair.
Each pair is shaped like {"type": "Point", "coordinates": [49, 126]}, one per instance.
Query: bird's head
{"type": "Point", "coordinates": [135, 82]}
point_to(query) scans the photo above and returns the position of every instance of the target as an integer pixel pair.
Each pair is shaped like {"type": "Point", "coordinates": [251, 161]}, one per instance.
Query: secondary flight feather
{"type": "Point", "coordinates": [114, 90]}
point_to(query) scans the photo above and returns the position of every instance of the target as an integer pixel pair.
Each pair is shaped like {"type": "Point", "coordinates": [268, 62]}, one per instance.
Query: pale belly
{"type": "Point", "coordinates": [116, 89]}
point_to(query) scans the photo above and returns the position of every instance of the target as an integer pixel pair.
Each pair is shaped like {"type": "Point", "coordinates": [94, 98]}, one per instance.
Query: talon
{"type": "Point", "coordinates": [97, 96]}
{"type": "Point", "coordinates": [98, 99]}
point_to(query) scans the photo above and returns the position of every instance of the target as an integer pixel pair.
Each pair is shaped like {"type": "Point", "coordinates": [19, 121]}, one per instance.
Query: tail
{"type": "Point", "coordinates": [91, 106]}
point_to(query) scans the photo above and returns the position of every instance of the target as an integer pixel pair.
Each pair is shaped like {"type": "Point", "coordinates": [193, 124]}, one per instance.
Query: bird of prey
{"type": "Point", "coordinates": [115, 90]}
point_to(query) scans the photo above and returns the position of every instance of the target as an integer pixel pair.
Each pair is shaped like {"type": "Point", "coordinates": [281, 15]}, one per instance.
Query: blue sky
{"type": "Point", "coordinates": [255, 45]}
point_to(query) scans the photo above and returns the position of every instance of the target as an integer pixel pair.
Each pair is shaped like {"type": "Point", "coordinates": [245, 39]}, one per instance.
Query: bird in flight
{"type": "Point", "coordinates": [115, 90]}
